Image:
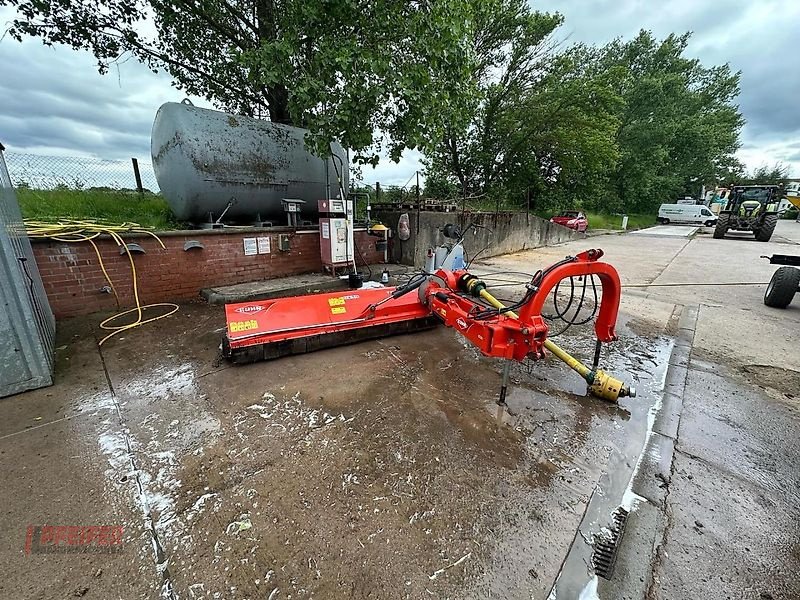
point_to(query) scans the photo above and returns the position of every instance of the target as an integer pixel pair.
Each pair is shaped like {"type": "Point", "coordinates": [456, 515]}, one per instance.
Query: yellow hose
{"type": "Point", "coordinates": [76, 231]}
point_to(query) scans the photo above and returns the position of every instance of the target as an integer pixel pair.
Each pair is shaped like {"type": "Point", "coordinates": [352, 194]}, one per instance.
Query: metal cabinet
{"type": "Point", "coordinates": [27, 325]}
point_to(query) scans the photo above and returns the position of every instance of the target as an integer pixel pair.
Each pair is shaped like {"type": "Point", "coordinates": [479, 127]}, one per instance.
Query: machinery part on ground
{"type": "Point", "coordinates": [764, 233]}
{"type": "Point", "coordinates": [202, 158]}
{"type": "Point", "coordinates": [498, 331]}
{"type": "Point", "coordinates": [785, 283]}
{"type": "Point", "coordinates": [272, 328]}
{"type": "Point", "coordinates": [750, 208]}
{"type": "Point", "coordinates": [601, 384]}
{"type": "Point", "coordinates": [269, 329]}
{"type": "Point", "coordinates": [79, 231]}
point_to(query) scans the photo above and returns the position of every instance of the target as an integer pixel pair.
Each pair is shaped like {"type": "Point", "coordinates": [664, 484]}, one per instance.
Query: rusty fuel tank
{"type": "Point", "coordinates": [203, 159]}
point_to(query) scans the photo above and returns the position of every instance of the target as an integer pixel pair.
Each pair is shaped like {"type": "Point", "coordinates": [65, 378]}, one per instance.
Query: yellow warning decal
{"type": "Point", "coordinates": [336, 301]}
{"type": "Point", "coordinates": [238, 326]}
{"type": "Point", "coordinates": [338, 310]}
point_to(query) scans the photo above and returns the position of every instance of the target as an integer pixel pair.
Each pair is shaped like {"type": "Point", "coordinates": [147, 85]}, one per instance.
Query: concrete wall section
{"type": "Point", "coordinates": [73, 279]}
{"type": "Point", "coordinates": [500, 233]}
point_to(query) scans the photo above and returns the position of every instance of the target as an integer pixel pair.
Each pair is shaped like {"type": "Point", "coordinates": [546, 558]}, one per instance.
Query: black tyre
{"type": "Point", "coordinates": [782, 287]}
{"type": "Point", "coordinates": [665, 221]}
{"type": "Point", "coordinates": [709, 223]}
{"type": "Point", "coordinates": [764, 232]}
{"type": "Point", "coordinates": [722, 227]}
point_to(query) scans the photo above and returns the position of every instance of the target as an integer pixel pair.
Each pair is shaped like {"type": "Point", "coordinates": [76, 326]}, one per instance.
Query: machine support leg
{"type": "Point", "coordinates": [598, 346]}
{"type": "Point", "coordinates": [504, 384]}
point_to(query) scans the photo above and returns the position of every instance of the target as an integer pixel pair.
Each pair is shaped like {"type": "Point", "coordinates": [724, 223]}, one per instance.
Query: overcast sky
{"type": "Point", "coordinates": [53, 101]}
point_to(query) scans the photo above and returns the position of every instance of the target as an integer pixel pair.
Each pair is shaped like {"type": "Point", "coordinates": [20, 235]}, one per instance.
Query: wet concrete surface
{"type": "Point", "coordinates": [384, 470]}
{"type": "Point", "coordinates": [378, 470]}
{"type": "Point", "coordinates": [734, 505]}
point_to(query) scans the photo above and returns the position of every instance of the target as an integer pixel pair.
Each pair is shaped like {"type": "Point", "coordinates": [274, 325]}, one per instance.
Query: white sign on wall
{"type": "Point", "coordinates": [250, 246]}
{"type": "Point", "coordinates": [263, 245]}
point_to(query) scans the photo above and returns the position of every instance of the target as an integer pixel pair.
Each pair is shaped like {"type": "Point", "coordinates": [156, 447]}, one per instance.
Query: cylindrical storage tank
{"type": "Point", "coordinates": [205, 158]}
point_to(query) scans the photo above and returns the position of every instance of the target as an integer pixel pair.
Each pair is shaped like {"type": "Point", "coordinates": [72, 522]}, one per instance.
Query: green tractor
{"type": "Point", "coordinates": [750, 208]}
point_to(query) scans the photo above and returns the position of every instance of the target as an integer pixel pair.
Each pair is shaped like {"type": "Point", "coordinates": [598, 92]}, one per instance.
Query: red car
{"type": "Point", "coordinates": [573, 219]}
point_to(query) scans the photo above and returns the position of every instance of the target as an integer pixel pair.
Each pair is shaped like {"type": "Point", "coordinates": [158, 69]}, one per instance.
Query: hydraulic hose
{"type": "Point", "coordinates": [600, 383]}
{"type": "Point", "coordinates": [77, 231]}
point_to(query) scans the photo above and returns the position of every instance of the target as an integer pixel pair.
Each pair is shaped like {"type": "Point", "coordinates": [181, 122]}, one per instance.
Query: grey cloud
{"type": "Point", "coordinates": [55, 98]}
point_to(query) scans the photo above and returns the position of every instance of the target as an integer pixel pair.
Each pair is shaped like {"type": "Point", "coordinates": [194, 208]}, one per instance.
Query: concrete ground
{"type": "Point", "coordinates": [385, 470]}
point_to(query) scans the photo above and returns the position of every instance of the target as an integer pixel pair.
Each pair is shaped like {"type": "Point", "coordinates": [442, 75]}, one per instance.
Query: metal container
{"type": "Point", "coordinates": [205, 159]}
{"type": "Point", "coordinates": [27, 326]}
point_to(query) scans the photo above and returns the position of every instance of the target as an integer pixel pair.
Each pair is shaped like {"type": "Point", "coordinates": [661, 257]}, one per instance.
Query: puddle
{"type": "Point", "coordinates": [577, 578]}
{"type": "Point", "coordinates": [576, 446]}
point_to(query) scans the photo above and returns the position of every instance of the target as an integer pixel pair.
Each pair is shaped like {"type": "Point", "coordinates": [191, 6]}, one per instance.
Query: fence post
{"type": "Point", "coordinates": [138, 176]}
{"type": "Point", "coordinates": [377, 192]}
{"type": "Point", "coordinates": [528, 205]}
{"type": "Point", "coordinates": [419, 201]}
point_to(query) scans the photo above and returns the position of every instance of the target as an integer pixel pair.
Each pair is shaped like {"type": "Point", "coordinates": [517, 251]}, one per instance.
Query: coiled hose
{"type": "Point", "coordinates": [80, 231]}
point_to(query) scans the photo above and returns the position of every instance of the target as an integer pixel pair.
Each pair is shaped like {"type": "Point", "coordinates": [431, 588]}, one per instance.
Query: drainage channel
{"type": "Point", "coordinates": [593, 554]}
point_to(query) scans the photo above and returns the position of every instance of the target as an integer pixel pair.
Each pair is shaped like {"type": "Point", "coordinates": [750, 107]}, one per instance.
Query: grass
{"type": "Point", "coordinates": [606, 221]}
{"type": "Point", "coordinates": [111, 205]}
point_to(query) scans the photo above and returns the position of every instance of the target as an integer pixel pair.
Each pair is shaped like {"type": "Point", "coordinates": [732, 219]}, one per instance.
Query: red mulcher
{"type": "Point", "coordinates": [269, 329]}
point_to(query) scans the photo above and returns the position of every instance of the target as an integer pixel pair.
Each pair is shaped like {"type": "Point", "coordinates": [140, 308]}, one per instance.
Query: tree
{"type": "Point", "coordinates": [764, 174]}
{"type": "Point", "coordinates": [509, 43]}
{"type": "Point", "coordinates": [343, 69]}
{"type": "Point", "coordinates": [679, 126]}
{"type": "Point", "coordinates": [541, 121]}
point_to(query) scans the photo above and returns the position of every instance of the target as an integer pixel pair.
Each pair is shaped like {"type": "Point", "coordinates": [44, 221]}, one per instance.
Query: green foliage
{"type": "Point", "coordinates": [52, 205]}
{"type": "Point", "coordinates": [608, 221]}
{"type": "Point", "coordinates": [764, 174]}
{"type": "Point", "coordinates": [617, 128]}
{"type": "Point", "coordinates": [679, 126]}
{"type": "Point", "coordinates": [344, 69]}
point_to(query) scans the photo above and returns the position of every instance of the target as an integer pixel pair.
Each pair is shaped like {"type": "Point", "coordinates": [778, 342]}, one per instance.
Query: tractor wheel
{"type": "Point", "coordinates": [782, 287]}
{"type": "Point", "coordinates": [764, 232]}
{"type": "Point", "coordinates": [722, 227]}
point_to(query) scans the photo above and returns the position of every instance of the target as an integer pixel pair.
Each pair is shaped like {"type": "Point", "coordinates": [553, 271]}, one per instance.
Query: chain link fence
{"type": "Point", "coordinates": [39, 172]}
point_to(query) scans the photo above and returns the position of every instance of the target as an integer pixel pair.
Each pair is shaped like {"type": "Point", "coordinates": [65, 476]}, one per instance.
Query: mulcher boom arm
{"type": "Point", "coordinates": [502, 333]}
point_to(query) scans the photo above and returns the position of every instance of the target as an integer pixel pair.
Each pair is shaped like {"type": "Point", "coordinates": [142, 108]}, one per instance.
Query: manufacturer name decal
{"type": "Point", "coordinates": [249, 309]}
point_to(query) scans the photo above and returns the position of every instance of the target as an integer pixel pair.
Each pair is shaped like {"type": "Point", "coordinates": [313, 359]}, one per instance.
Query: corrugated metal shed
{"type": "Point", "coordinates": [27, 325]}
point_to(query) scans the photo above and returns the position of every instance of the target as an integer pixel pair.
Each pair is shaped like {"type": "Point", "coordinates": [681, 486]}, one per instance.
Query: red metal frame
{"type": "Point", "coordinates": [586, 263]}
{"type": "Point", "coordinates": [504, 336]}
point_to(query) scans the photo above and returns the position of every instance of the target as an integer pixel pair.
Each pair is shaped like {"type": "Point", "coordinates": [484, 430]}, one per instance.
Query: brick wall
{"type": "Point", "coordinates": [73, 278]}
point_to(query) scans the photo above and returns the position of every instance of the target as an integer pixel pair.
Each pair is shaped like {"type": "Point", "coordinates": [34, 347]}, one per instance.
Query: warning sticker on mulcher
{"type": "Point", "coordinates": [238, 326]}
{"type": "Point", "coordinates": [338, 310]}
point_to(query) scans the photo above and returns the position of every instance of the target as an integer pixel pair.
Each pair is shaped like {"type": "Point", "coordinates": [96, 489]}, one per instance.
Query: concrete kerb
{"type": "Point", "coordinates": [654, 470]}
{"type": "Point", "coordinates": [649, 484]}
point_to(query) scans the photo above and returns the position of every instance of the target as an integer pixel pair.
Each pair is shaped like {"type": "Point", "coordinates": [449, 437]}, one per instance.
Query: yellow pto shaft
{"type": "Point", "coordinates": [600, 383]}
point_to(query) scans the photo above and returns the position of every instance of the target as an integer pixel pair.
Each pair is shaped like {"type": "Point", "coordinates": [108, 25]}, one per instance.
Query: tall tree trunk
{"type": "Point", "coordinates": [277, 95]}
{"type": "Point", "coordinates": [278, 100]}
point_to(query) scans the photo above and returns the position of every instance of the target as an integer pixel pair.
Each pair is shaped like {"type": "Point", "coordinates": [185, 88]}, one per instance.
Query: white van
{"type": "Point", "coordinates": [694, 214]}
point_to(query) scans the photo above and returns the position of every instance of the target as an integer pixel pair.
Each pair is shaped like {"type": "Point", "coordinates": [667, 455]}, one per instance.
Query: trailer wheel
{"type": "Point", "coordinates": [782, 287]}
{"type": "Point", "coordinates": [764, 232]}
{"type": "Point", "coordinates": [722, 227]}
